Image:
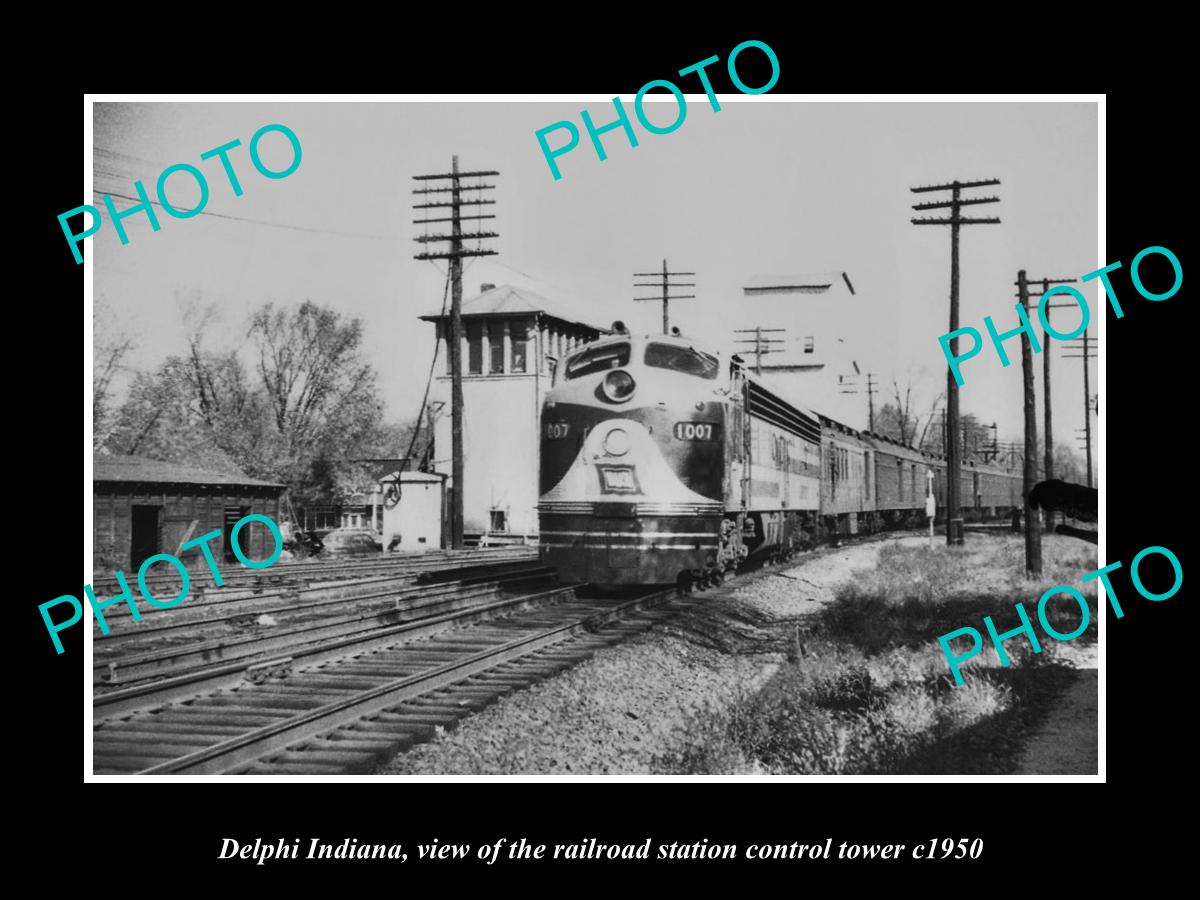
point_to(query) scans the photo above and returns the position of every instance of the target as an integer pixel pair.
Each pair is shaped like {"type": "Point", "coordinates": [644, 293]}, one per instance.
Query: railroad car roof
{"type": "Point", "coordinates": [884, 444]}
{"type": "Point", "coordinates": [140, 469]}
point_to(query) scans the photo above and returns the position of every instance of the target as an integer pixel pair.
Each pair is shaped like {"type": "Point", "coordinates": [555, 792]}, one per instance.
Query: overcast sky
{"type": "Point", "coordinates": [761, 187]}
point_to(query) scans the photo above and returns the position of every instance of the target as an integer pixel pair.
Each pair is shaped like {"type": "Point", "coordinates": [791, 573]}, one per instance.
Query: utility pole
{"type": "Point", "coordinates": [1033, 522]}
{"type": "Point", "coordinates": [760, 345]}
{"type": "Point", "coordinates": [843, 384]}
{"type": "Point", "coordinates": [871, 385]}
{"type": "Point", "coordinates": [954, 521]}
{"type": "Point", "coordinates": [455, 255]}
{"type": "Point", "coordinates": [1012, 450]}
{"type": "Point", "coordinates": [1048, 473]}
{"type": "Point", "coordinates": [666, 284]}
{"type": "Point", "coordinates": [1081, 350]}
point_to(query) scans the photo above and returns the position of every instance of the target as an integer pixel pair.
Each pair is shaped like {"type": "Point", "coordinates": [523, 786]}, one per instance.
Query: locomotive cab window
{"type": "Point", "coordinates": [682, 359]}
{"type": "Point", "coordinates": [598, 359]}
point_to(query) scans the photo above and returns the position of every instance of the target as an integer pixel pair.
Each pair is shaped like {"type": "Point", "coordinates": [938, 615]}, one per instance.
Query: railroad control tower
{"type": "Point", "coordinates": [511, 338]}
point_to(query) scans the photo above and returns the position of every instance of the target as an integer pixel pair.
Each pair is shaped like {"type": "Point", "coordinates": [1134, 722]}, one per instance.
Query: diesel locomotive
{"type": "Point", "coordinates": [663, 462]}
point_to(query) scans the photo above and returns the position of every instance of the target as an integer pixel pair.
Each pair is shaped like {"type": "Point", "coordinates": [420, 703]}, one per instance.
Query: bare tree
{"type": "Point", "coordinates": [904, 414]}
{"type": "Point", "coordinates": [931, 418]}
{"type": "Point", "coordinates": [899, 419]}
{"type": "Point", "coordinates": [110, 348]}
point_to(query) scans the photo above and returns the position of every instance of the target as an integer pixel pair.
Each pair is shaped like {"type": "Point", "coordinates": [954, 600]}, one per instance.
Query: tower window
{"type": "Point", "coordinates": [520, 343]}
{"type": "Point", "coordinates": [474, 347]}
{"type": "Point", "coordinates": [496, 347]}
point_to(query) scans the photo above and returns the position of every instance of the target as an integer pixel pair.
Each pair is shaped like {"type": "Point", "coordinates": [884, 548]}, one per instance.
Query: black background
{"type": "Point", "coordinates": [129, 831]}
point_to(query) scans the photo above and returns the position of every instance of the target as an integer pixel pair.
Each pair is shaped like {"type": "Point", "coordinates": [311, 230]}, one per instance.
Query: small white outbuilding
{"type": "Point", "coordinates": [412, 510]}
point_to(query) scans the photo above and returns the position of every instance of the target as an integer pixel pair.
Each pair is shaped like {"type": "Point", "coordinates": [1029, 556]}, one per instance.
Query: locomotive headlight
{"type": "Point", "coordinates": [616, 442]}
{"type": "Point", "coordinates": [618, 385]}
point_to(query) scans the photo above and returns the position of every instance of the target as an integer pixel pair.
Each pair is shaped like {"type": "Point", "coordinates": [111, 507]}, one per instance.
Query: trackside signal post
{"type": "Point", "coordinates": [930, 504]}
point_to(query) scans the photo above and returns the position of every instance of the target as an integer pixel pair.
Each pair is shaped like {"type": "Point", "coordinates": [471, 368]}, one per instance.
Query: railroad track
{"type": "Point", "coordinates": [239, 581]}
{"type": "Point", "coordinates": [348, 713]}
{"type": "Point", "coordinates": [189, 657]}
{"type": "Point", "coordinates": [345, 704]}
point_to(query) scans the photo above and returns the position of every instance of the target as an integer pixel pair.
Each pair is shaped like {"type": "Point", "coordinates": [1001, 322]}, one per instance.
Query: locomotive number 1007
{"type": "Point", "coordinates": [695, 431]}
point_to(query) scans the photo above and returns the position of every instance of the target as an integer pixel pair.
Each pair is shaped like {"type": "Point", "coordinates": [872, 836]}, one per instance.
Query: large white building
{"type": "Point", "coordinates": [814, 358]}
{"type": "Point", "coordinates": [511, 338]}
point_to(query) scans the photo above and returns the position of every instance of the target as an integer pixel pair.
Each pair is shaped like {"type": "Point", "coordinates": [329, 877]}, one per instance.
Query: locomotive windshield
{"type": "Point", "coordinates": [682, 359]}
{"type": "Point", "coordinates": [598, 359]}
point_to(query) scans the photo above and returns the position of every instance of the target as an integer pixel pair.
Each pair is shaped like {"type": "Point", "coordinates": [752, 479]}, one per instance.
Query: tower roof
{"type": "Point", "coordinates": [507, 300]}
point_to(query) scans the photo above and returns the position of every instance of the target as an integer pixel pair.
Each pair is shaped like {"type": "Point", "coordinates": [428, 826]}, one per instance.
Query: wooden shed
{"type": "Point", "coordinates": [144, 506]}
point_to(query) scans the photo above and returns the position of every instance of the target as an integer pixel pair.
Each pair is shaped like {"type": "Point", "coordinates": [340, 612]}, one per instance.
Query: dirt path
{"type": "Point", "coordinates": [1066, 743]}
{"type": "Point", "coordinates": [811, 584]}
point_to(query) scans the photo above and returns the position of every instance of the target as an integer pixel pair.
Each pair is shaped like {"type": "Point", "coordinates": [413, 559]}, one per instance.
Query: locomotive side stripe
{"type": "Point", "coordinates": [638, 534]}
{"type": "Point", "coordinates": [601, 546]}
{"type": "Point", "coordinates": [642, 508]}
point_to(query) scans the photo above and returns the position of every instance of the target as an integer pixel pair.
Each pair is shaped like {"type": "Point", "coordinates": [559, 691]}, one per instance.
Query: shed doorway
{"type": "Point", "coordinates": [144, 534]}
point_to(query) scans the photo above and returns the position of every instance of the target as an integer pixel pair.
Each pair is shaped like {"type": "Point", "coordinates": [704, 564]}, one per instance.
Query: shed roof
{"type": "Point", "coordinates": [509, 300]}
{"type": "Point", "coordinates": [140, 469]}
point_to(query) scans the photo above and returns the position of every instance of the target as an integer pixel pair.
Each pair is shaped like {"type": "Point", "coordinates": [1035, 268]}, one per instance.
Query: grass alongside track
{"type": "Point", "coordinates": [867, 689]}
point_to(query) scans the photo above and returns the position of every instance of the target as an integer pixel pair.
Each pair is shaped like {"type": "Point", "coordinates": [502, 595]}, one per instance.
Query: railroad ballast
{"type": "Point", "coordinates": [126, 596]}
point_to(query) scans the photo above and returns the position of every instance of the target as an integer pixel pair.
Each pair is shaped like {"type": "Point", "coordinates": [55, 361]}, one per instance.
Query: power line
{"type": "Point", "coordinates": [760, 344]}
{"type": "Point", "coordinates": [429, 379]}
{"type": "Point", "coordinates": [204, 212]}
{"type": "Point", "coordinates": [665, 284]}
{"type": "Point", "coordinates": [1082, 350]}
{"type": "Point", "coordinates": [954, 521]}
{"type": "Point", "coordinates": [455, 255]}
{"type": "Point", "coordinates": [871, 386]}
{"type": "Point", "coordinates": [1048, 438]}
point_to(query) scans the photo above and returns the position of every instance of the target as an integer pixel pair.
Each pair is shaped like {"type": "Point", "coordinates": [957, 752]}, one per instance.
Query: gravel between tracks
{"type": "Point", "coordinates": [609, 715]}
{"type": "Point", "coordinates": [627, 704]}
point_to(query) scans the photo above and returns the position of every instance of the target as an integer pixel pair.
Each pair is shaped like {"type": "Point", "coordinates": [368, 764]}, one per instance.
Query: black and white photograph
{"type": "Point", "coordinates": [690, 434]}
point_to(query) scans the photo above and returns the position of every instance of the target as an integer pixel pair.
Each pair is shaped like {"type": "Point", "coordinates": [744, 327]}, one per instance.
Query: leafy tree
{"type": "Point", "coordinates": [308, 405]}
{"type": "Point", "coordinates": [160, 420]}
{"type": "Point", "coordinates": [1069, 464]}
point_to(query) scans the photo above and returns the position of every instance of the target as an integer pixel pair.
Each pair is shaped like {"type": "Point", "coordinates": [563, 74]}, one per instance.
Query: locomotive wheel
{"type": "Point", "coordinates": [684, 583]}
{"type": "Point", "coordinates": [718, 579]}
